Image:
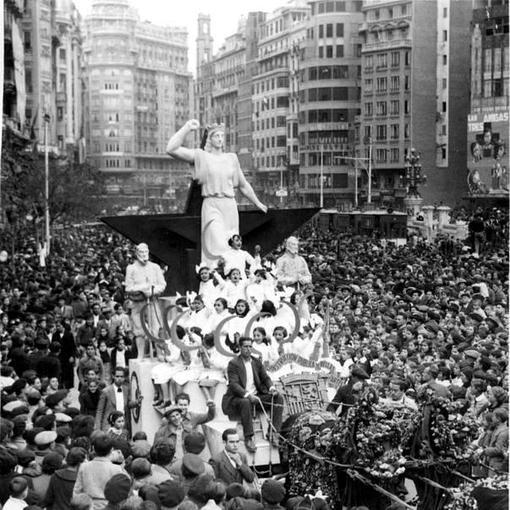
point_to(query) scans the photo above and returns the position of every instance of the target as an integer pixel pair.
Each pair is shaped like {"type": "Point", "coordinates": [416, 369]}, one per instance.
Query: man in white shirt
{"type": "Point", "coordinates": [397, 397]}
{"type": "Point", "coordinates": [18, 491]}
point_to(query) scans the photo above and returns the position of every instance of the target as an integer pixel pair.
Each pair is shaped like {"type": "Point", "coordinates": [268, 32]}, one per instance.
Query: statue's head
{"type": "Point", "coordinates": [292, 245]}
{"type": "Point", "coordinates": [142, 253]}
{"type": "Point", "coordinates": [215, 137]}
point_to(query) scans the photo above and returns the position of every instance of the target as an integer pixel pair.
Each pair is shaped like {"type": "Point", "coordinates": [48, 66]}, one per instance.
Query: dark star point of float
{"type": "Point", "coordinates": [174, 239]}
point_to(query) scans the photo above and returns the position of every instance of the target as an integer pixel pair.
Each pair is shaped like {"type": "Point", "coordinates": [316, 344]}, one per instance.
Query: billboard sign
{"type": "Point", "coordinates": [488, 161]}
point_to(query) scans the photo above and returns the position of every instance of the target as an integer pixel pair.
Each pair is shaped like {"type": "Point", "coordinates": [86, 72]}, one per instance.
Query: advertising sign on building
{"type": "Point", "coordinates": [488, 161]}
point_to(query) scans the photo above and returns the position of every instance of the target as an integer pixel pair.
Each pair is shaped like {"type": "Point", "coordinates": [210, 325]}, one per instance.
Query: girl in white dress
{"type": "Point", "coordinates": [263, 345]}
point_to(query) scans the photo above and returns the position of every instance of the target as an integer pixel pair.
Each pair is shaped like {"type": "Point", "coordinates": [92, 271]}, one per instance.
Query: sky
{"type": "Point", "coordinates": [224, 14]}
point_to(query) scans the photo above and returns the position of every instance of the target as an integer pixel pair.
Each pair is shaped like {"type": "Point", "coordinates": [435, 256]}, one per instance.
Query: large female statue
{"type": "Point", "coordinates": [219, 173]}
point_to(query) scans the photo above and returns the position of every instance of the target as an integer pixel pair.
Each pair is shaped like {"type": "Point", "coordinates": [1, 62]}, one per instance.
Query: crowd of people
{"type": "Point", "coordinates": [399, 319]}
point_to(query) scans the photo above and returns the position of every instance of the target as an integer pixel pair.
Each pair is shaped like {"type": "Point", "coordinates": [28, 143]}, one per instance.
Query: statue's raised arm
{"type": "Point", "coordinates": [219, 173]}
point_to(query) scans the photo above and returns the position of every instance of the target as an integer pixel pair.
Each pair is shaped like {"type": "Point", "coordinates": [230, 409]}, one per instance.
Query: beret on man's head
{"type": "Point", "coordinates": [171, 493]}
{"type": "Point", "coordinates": [44, 438]}
{"type": "Point", "coordinates": [359, 372]}
{"type": "Point", "coordinates": [53, 399]}
{"type": "Point", "coordinates": [273, 492]}
{"type": "Point", "coordinates": [117, 488]}
{"type": "Point", "coordinates": [193, 464]}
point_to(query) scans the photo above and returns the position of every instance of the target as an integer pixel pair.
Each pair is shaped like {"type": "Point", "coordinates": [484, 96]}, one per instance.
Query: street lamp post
{"type": "Point", "coordinates": [411, 177]}
{"type": "Point", "coordinates": [321, 203]}
{"type": "Point", "coordinates": [46, 185]}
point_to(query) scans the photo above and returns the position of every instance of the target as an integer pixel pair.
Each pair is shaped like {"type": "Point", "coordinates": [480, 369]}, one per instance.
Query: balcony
{"type": "Point", "coordinates": [384, 45]}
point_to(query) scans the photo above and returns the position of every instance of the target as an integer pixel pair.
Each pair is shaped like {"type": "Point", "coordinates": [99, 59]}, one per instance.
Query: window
{"type": "Point", "coordinates": [321, 51]}
{"type": "Point", "coordinates": [407, 131]}
{"type": "Point", "coordinates": [368, 85]}
{"type": "Point", "coordinates": [329, 30]}
{"type": "Point", "coordinates": [368, 133]}
{"type": "Point", "coordinates": [27, 41]}
{"type": "Point", "coordinates": [406, 107]}
{"type": "Point", "coordinates": [339, 51]}
{"type": "Point", "coordinates": [403, 10]}
{"type": "Point", "coordinates": [321, 31]}
{"type": "Point", "coordinates": [394, 83]}
{"type": "Point", "coordinates": [445, 60]}
{"type": "Point", "coordinates": [407, 58]}
{"type": "Point", "coordinates": [369, 109]}
{"type": "Point", "coordinates": [381, 108]}
{"type": "Point", "coordinates": [339, 29]}
{"type": "Point", "coordinates": [281, 141]}
{"type": "Point", "coordinates": [281, 121]}
{"type": "Point", "coordinates": [329, 51]}
{"type": "Point", "coordinates": [445, 35]}
{"type": "Point", "coordinates": [395, 59]}
{"type": "Point", "coordinates": [369, 61]}
{"type": "Point", "coordinates": [445, 12]}
{"type": "Point", "coordinates": [340, 6]}
{"type": "Point", "coordinates": [382, 60]}
{"type": "Point", "coordinates": [445, 83]}
{"type": "Point", "coordinates": [406, 82]}
{"type": "Point", "coordinates": [443, 107]}
{"type": "Point", "coordinates": [380, 156]}
{"type": "Point", "coordinates": [394, 157]}
{"type": "Point", "coordinates": [443, 153]}
{"type": "Point", "coordinates": [394, 107]}
{"type": "Point", "coordinates": [381, 84]}
{"type": "Point", "coordinates": [60, 113]}
{"type": "Point", "coordinates": [443, 129]}
{"type": "Point", "coordinates": [380, 132]}
{"type": "Point", "coordinates": [394, 131]}
{"type": "Point", "coordinates": [62, 54]}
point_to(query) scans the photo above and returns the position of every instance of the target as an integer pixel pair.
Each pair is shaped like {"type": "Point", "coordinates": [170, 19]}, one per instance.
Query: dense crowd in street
{"type": "Point", "coordinates": [402, 320]}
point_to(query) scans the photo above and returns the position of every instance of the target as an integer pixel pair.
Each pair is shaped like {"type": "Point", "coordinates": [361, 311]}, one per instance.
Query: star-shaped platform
{"type": "Point", "coordinates": [174, 239]}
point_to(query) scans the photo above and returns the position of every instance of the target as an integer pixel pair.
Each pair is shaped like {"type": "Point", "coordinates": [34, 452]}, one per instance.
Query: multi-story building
{"type": "Point", "coordinates": [139, 93]}
{"type": "Point", "coordinates": [329, 101]}
{"type": "Point", "coordinates": [53, 80]}
{"type": "Point", "coordinates": [224, 83]}
{"type": "Point", "coordinates": [415, 88]}
{"type": "Point", "coordinates": [275, 123]}
{"type": "Point", "coordinates": [487, 140]}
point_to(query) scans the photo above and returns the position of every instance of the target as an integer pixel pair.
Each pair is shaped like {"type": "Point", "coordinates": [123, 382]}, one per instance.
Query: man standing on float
{"type": "Point", "coordinates": [219, 173]}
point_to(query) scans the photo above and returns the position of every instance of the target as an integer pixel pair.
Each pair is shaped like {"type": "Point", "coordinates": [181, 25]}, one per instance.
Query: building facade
{"type": "Point", "coordinates": [487, 140]}
{"type": "Point", "coordinates": [414, 89]}
{"type": "Point", "coordinates": [329, 100]}
{"type": "Point", "coordinates": [138, 93]}
{"type": "Point", "coordinates": [275, 123]}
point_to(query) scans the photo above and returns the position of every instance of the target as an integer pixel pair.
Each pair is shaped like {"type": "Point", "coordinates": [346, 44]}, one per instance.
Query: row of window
{"type": "Point", "coordinates": [381, 108]}
{"type": "Point", "coordinates": [271, 103]}
{"type": "Point", "coordinates": [331, 51]}
{"type": "Point", "coordinates": [116, 163]}
{"type": "Point", "coordinates": [324, 94]}
{"type": "Point", "coordinates": [270, 84]}
{"type": "Point", "coordinates": [328, 73]}
{"type": "Point", "coordinates": [389, 12]}
{"type": "Point", "coordinates": [329, 29]}
{"type": "Point", "coordinates": [336, 115]}
{"type": "Point", "coordinates": [381, 60]}
{"type": "Point", "coordinates": [381, 84]}
{"type": "Point", "coordinates": [337, 6]}
{"type": "Point", "coordinates": [382, 131]}
{"type": "Point", "coordinates": [270, 123]}
{"type": "Point", "coordinates": [277, 161]}
{"type": "Point", "coordinates": [270, 142]}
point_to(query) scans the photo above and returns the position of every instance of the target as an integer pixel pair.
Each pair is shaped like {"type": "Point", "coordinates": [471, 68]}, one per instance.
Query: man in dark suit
{"type": "Point", "coordinates": [249, 386]}
{"type": "Point", "coordinates": [115, 397]}
{"type": "Point", "coordinates": [345, 396]}
{"type": "Point", "coordinates": [67, 354]}
{"type": "Point", "coordinates": [230, 465]}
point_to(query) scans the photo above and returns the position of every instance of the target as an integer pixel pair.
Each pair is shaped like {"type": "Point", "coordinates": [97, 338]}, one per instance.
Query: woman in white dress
{"type": "Point", "coordinates": [219, 174]}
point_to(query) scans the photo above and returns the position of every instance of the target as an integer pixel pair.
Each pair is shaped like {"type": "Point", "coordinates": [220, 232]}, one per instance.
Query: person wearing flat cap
{"type": "Point", "coordinates": [173, 430]}
{"type": "Point", "coordinates": [345, 396]}
{"type": "Point", "coordinates": [192, 467]}
{"type": "Point", "coordinates": [44, 442]}
{"type": "Point", "coordinates": [273, 493]}
{"type": "Point", "coordinates": [171, 494]}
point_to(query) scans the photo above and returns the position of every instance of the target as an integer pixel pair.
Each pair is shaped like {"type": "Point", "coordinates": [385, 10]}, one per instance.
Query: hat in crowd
{"type": "Point", "coordinates": [33, 396]}
{"type": "Point", "coordinates": [62, 418]}
{"type": "Point", "coordinates": [30, 434]}
{"type": "Point", "coordinates": [471, 353]}
{"type": "Point", "coordinates": [12, 405]}
{"type": "Point", "coordinates": [76, 456]}
{"type": "Point", "coordinates": [235, 490]}
{"type": "Point", "coordinates": [273, 492]}
{"type": "Point", "coordinates": [171, 493]}
{"type": "Point", "coordinates": [53, 399]}
{"type": "Point", "coordinates": [52, 461]}
{"type": "Point", "coordinates": [46, 421]}
{"type": "Point", "coordinates": [194, 442]}
{"type": "Point", "coordinates": [25, 457]}
{"type": "Point", "coordinates": [169, 410]}
{"type": "Point", "coordinates": [140, 448]}
{"type": "Point", "coordinates": [45, 437]}
{"type": "Point", "coordinates": [359, 372]}
{"type": "Point", "coordinates": [117, 488]}
{"type": "Point", "coordinates": [252, 504]}
{"type": "Point", "coordinates": [193, 464]}
{"type": "Point", "coordinates": [140, 467]}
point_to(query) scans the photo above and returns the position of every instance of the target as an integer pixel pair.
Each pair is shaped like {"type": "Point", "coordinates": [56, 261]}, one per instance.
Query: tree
{"type": "Point", "coordinates": [74, 189]}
